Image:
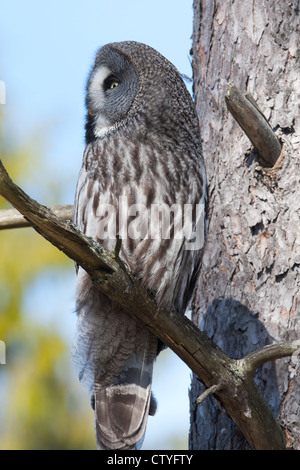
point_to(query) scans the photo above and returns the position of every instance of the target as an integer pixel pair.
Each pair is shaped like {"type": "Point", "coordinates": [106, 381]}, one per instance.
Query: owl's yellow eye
{"type": "Point", "coordinates": [111, 82]}
{"type": "Point", "coordinates": [114, 84]}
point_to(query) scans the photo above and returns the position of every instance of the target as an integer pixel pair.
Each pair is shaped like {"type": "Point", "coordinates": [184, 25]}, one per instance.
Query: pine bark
{"type": "Point", "coordinates": [249, 292]}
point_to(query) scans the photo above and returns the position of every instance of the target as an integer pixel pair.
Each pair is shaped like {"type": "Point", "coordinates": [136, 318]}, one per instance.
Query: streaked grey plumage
{"type": "Point", "coordinates": [142, 147]}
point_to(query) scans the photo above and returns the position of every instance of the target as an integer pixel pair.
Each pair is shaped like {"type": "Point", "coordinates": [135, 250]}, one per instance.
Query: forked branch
{"type": "Point", "coordinates": [231, 380]}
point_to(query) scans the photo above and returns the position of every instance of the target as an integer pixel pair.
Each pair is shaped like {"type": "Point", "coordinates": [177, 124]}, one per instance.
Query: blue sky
{"type": "Point", "coordinates": [46, 51]}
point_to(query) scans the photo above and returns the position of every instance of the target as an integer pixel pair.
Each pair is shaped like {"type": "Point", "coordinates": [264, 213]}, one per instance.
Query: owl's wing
{"type": "Point", "coordinates": [121, 409]}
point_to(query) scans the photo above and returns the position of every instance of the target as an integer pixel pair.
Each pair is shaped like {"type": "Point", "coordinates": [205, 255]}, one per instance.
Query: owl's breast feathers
{"type": "Point", "coordinates": [128, 184]}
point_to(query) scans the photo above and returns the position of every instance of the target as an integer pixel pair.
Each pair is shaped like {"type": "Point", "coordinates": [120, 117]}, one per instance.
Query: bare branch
{"type": "Point", "coordinates": [11, 218]}
{"type": "Point", "coordinates": [235, 388]}
{"type": "Point", "coordinates": [253, 122]}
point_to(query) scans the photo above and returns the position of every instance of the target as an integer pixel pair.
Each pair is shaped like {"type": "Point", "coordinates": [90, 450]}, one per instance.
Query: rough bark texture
{"type": "Point", "coordinates": [249, 294]}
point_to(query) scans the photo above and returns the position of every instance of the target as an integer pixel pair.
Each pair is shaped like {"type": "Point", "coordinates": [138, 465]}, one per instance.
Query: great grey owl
{"type": "Point", "coordinates": [142, 167]}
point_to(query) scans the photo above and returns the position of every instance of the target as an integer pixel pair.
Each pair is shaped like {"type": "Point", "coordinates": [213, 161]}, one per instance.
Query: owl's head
{"type": "Point", "coordinates": [130, 79]}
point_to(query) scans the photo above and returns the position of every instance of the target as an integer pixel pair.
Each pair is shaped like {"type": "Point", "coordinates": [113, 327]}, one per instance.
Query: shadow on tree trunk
{"type": "Point", "coordinates": [211, 427]}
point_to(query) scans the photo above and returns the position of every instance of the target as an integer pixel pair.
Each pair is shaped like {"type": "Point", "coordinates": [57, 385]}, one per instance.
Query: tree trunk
{"type": "Point", "coordinates": [249, 292]}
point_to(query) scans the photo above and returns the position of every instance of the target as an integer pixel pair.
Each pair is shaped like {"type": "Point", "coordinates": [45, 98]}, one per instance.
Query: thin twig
{"type": "Point", "coordinates": [254, 124]}
{"type": "Point", "coordinates": [206, 393]}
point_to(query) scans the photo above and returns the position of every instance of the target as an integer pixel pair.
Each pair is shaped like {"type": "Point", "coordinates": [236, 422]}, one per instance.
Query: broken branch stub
{"type": "Point", "coordinates": [254, 124]}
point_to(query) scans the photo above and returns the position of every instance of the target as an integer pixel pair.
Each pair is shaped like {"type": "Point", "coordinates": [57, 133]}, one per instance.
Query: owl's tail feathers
{"type": "Point", "coordinates": [122, 409]}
